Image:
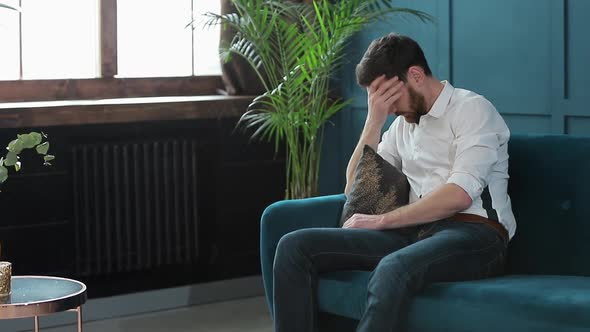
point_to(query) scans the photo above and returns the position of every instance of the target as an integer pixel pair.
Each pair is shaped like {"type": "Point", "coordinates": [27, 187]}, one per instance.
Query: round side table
{"type": "Point", "coordinates": [34, 296]}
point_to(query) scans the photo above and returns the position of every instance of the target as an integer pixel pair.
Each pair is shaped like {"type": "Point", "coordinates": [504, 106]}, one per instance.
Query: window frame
{"type": "Point", "coordinates": [107, 85]}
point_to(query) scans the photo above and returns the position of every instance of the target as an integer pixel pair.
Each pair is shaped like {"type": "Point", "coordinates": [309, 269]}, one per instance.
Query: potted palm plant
{"type": "Point", "coordinates": [295, 49]}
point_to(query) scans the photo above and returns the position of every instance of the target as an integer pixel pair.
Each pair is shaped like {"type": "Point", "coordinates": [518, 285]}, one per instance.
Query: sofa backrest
{"type": "Point", "coordinates": [550, 191]}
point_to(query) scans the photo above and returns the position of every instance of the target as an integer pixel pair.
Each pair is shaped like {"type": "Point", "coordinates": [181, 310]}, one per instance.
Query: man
{"type": "Point", "coordinates": [452, 146]}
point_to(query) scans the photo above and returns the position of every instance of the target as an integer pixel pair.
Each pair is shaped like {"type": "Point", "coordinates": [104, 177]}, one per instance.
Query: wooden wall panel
{"type": "Point", "coordinates": [578, 52]}
{"type": "Point", "coordinates": [503, 50]}
{"type": "Point", "coordinates": [528, 124]}
{"type": "Point", "coordinates": [577, 125]}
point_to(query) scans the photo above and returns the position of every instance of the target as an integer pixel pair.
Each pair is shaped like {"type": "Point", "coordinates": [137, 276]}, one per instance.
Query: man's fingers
{"type": "Point", "coordinates": [393, 94]}
{"type": "Point", "coordinates": [385, 86]}
{"type": "Point", "coordinates": [346, 223]}
{"type": "Point", "coordinates": [390, 96]}
{"type": "Point", "coordinates": [376, 82]}
{"type": "Point", "coordinates": [350, 221]}
{"type": "Point", "coordinates": [395, 88]}
{"type": "Point", "coordinates": [381, 82]}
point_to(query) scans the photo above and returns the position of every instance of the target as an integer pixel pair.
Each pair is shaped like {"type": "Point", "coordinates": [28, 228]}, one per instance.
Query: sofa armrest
{"type": "Point", "coordinates": [287, 216]}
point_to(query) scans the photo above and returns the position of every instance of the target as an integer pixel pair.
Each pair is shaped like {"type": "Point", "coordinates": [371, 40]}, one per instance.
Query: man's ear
{"type": "Point", "coordinates": [416, 74]}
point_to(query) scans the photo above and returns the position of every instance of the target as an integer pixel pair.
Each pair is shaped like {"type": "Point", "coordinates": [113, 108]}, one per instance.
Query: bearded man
{"type": "Point", "coordinates": [451, 144]}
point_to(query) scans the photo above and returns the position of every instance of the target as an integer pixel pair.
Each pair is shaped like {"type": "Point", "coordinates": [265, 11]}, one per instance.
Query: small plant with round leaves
{"type": "Point", "coordinates": [32, 140]}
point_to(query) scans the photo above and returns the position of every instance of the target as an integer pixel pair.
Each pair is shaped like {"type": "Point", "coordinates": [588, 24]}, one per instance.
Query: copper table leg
{"type": "Point", "coordinates": [79, 314]}
{"type": "Point", "coordinates": [78, 311]}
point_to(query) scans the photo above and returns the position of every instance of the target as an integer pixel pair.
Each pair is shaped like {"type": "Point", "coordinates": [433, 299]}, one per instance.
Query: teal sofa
{"type": "Point", "coordinates": [547, 284]}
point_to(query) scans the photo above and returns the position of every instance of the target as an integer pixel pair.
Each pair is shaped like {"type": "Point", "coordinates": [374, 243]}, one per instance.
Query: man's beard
{"type": "Point", "coordinates": [417, 106]}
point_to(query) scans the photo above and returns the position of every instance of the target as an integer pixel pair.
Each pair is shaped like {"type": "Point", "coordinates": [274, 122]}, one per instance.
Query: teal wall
{"type": "Point", "coordinates": [531, 58]}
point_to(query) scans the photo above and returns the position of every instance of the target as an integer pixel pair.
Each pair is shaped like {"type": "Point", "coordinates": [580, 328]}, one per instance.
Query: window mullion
{"type": "Point", "coordinates": [20, 40]}
{"type": "Point", "coordinates": [193, 36]}
{"type": "Point", "coordinates": [108, 38]}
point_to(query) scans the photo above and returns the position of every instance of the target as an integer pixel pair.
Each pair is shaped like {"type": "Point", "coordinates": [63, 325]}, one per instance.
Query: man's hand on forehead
{"type": "Point", "coordinates": [381, 85]}
{"type": "Point", "coordinates": [376, 82]}
{"type": "Point", "coordinates": [383, 93]}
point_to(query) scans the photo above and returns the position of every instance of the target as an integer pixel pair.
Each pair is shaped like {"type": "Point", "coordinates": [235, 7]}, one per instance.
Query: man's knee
{"type": "Point", "coordinates": [391, 266]}
{"type": "Point", "coordinates": [291, 247]}
{"type": "Point", "coordinates": [395, 271]}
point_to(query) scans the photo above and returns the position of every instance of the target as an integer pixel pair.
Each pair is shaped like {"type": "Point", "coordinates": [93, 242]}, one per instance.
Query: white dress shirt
{"type": "Point", "coordinates": [461, 140]}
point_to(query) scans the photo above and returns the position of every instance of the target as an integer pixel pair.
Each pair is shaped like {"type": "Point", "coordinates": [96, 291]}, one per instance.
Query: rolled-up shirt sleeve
{"type": "Point", "coordinates": [387, 148]}
{"type": "Point", "coordinates": [479, 131]}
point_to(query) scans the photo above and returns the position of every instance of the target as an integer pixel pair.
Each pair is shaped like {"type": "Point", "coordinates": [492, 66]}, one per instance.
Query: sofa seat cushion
{"type": "Point", "coordinates": [510, 303]}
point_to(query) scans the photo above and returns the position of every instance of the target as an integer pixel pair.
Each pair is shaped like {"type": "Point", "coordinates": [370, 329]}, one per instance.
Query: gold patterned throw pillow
{"type": "Point", "coordinates": [378, 187]}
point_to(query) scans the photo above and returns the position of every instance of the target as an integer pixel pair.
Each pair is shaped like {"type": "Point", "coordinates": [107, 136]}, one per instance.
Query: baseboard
{"type": "Point", "coordinates": [146, 302]}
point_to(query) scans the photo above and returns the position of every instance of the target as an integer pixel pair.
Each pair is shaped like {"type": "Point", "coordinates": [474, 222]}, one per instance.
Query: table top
{"type": "Point", "coordinates": [40, 295]}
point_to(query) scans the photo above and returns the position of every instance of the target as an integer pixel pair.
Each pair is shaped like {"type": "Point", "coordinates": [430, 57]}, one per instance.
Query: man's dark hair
{"type": "Point", "coordinates": [391, 55]}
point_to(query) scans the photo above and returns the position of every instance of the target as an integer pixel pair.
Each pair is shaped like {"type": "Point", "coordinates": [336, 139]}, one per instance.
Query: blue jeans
{"type": "Point", "coordinates": [402, 262]}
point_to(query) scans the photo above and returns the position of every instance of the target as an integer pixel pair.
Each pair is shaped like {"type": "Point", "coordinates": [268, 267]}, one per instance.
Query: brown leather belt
{"type": "Point", "coordinates": [474, 218]}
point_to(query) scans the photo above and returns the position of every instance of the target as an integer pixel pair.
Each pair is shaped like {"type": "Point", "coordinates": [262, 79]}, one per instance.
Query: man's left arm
{"type": "Point", "coordinates": [443, 202]}
{"type": "Point", "coordinates": [478, 128]}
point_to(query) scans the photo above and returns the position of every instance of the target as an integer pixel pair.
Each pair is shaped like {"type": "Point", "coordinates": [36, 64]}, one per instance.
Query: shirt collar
{"type": "Point", "coordinates": [442, 100]}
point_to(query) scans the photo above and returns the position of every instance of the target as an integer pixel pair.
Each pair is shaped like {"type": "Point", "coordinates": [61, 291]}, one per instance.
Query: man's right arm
{"type": "Point", "coordinates": [369, 136]}
{"type": "Point", "coordinates": [382, 94]}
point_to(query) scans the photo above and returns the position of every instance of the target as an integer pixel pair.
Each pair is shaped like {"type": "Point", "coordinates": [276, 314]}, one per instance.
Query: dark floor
{"type": "Point", "coordinates": [248, 314]}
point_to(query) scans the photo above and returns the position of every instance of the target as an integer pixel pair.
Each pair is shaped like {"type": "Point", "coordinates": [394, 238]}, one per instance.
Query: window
{"type": "Point", "coordinates": [153, 39]}
{"type": "Point", "coordinates": [206, 51]}
{"type": "Point", "coordinates": [60, 39]}
{"type": "Point", "coordinates": [9, 56]}
{"type": "Point", "coordinates": [49, 39]}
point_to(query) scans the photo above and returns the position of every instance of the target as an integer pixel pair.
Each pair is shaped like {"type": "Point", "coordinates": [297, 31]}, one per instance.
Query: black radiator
{"type": "Point", "coordinates": [135, 205]}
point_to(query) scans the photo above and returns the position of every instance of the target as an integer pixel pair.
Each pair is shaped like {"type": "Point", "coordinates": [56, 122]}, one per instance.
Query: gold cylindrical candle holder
{"type": "Point", "coordinates": [5, 276]}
